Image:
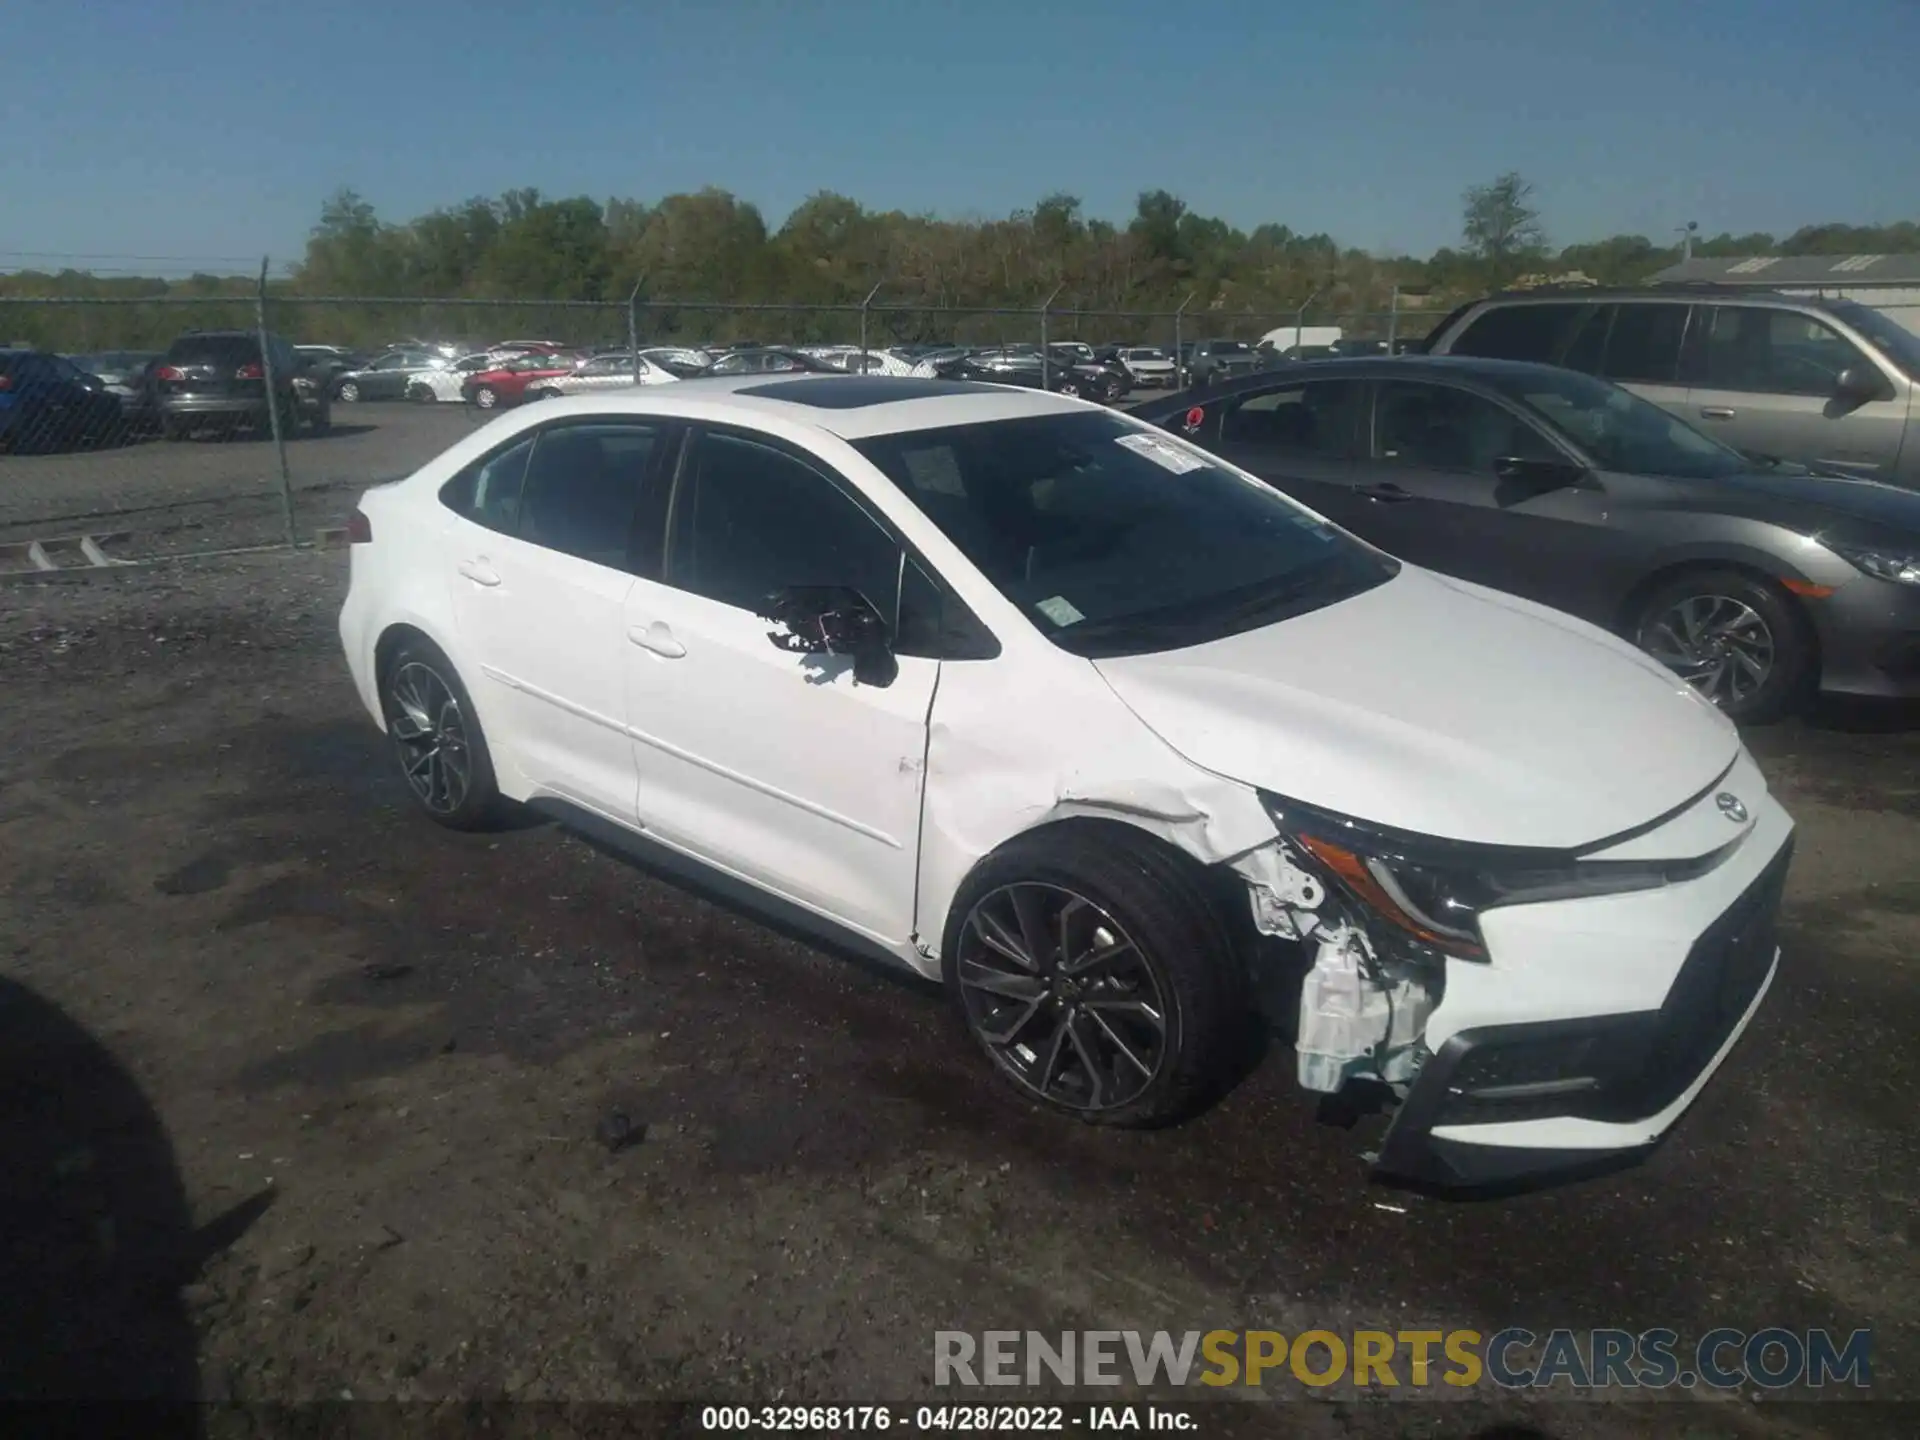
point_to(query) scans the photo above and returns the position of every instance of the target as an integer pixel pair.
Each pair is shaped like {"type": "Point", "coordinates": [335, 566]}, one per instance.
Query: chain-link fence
{"type": "Point", "coordinates": [146, 422]}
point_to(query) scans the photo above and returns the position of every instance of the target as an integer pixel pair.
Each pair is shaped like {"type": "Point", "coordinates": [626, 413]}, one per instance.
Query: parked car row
{"type": "Point", "coordinates": [206, 380]}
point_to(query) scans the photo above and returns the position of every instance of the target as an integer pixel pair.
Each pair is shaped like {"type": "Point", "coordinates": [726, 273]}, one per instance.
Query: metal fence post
{"type": "Point", "coordinates": [1300, 319]}
{"type": "Point", "coordinates": [1046, 358]}
{"type": "Point", "coordinates": [1179, 360]}
{"type": "Point", "coordinates": [864, 304]}
{"type": "Point", "coordinates": [1393, 321]}
{"type": "Point", "coordinates": [273, 401]}
{"type": "Point", "coordinates": [633, 325]}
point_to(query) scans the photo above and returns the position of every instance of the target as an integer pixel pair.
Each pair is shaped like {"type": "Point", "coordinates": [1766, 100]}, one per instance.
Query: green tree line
{"type": "Point", "coordinates": [712, 246]}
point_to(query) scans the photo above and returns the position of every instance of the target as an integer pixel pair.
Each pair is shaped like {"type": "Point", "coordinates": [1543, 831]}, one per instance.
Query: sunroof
{"type": "Point", "coordinates": [855, 392]}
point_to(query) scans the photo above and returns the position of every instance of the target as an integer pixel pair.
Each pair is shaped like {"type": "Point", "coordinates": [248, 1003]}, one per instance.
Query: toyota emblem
{"type": "Point", "coordinates": [1195, 417]}
{"type": "Point", "coordinates": [1731, 807]}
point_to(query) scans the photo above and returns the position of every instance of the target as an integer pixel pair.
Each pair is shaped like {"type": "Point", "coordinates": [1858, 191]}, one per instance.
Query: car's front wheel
{"type": "Point", "coordinates": [1737, 639]}
{"type": "Point", "coordinates": [436, 737]}
{"type": "Point", "coordinates": [486, 397]}
{"type": "Point", "coordinates": [1094, 972]}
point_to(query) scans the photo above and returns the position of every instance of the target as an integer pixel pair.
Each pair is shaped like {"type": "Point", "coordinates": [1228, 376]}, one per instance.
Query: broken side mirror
{"type": "Point", "coordinates": [834, 620]}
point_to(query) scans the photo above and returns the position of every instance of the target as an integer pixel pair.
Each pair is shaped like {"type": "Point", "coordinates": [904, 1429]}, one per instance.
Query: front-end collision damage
{"type": "Point", "coordinates": [1363, 1006]}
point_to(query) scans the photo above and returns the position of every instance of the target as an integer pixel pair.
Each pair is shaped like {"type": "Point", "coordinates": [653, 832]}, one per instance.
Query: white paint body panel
{"type": "Point", "coordinates": [777, 765]}
{"type": "Point", "coordinates": [1426, 705]}
{"type": "Point", "coordinates": [1439, 708]}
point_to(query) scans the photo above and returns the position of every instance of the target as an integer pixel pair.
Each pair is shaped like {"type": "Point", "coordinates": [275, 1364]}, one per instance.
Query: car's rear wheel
{"type": "Point", "coordinates": [436, 737]}
{"type": "Point", "coordinates": [1094, 972]}
{"type": "Point", "coordinates": [349, 391]}
{"type": "Point", "coordinates": [420, 394]}
{"type": "Point", "coordinates": [1737, 639]}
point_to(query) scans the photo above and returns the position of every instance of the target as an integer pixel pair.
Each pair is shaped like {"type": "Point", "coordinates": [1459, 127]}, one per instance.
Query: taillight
{"type": "Point", "coordinates": [6, 382]}
{"type": "Point", "coordinates": [169, 372]}
{"type": "Point", "coordinates": [250, 371]}
{"type": "Point", "coordinates": [359, 529]}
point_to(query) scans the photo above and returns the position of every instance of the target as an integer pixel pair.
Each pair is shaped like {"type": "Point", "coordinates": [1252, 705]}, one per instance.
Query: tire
{"type": "Point", "coordinates": [545, 395]}
{"type": "Point", "coordinates": [420, 394]}
{"type": "Point", "coordinates": [486, 397]}
{"type": "Point", "coordinates": [322, 421]}
{"type": "Point", "coordinates": [1713, 626]}
{"type": "Point", "coordinates": [174, 430]}
{"type": "Point", "coordinates": [1118, 886]}
{"type": "Point", "coordinates": [349, 391]}
{"type": "Point", "coordinates": [442, 754]}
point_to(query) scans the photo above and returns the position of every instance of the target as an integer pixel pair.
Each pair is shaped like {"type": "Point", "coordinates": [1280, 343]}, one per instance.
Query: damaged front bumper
{"type": "Point", "coordinates": [1576, 1041]}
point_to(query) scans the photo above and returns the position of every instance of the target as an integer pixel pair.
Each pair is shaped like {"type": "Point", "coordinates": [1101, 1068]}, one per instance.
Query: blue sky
{"type": "Point", "coordinates": [189, 128]}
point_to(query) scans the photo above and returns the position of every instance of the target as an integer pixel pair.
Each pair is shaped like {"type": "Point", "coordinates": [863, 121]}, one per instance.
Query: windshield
{"type": "Point", "coordinates": [1618, 431]}
{"type": "Point", "coordinates": [1886, 335]}
{"type": "Point", "coordinates": [1115, 539]}
{"type": "Point", "coordinates": [1227, 347]}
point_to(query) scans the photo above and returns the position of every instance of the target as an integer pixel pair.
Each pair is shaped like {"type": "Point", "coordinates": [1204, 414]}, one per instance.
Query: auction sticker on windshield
{"type": "Point", "coordinates": [1060, 610]}
{"type": "Point", "coordinates": [1164, 453]}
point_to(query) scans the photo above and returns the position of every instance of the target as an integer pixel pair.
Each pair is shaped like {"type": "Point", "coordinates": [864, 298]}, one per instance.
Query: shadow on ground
{"type": "Point", "coordinates": [96, 1238]}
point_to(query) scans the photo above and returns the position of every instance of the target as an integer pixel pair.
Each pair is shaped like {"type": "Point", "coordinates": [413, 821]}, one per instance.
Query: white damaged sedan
{"type": "Point", "coordinates": [1110, 737]}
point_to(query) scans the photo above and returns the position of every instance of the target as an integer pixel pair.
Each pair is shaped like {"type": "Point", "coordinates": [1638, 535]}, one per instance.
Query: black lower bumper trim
{"type": "Point", "coordinates": [1616, 1069]}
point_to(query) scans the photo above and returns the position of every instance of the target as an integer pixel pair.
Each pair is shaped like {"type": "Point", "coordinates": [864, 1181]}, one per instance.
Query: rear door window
{"type": "Point", "coordinates": [1517, 332]}
{"type": "Point", "coordinates": [1644, 343]}
{"type": "Point", "coordinates": [583, 487]}
{"type": "Point", "coordinates": [1317, 419]}
{"type": "Point", "coordinates": [488, 491]}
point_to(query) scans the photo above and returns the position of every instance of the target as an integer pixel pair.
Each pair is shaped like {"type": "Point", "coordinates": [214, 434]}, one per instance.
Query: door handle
{"type": "Point", "coordinates": [479, 572]}
{"type": "Point", "coordinates": [1389, 493]}
{"type": "Point", "coordinates": [657, 638]}
{"type": "Point", "coordinates": [1716, 412]}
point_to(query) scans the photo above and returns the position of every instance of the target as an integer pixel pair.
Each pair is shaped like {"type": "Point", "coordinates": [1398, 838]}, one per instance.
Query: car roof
{"type": "Point", "coordinates": [852, 407]}
{"type": "Point", "coordinates": [1677, 291]}
{"type": "Point", "coordinates": [1364, 367]}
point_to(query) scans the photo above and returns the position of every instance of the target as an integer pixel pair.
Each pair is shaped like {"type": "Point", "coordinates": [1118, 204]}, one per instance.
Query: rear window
{"type": "Point", "coordinates": [1516, 332]}
{"type": "Point", "coordinates": [214, 349]}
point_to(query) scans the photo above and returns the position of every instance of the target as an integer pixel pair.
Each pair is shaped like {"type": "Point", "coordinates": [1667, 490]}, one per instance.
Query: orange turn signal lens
{"type": "Point", "coordinates": [1354, 872]}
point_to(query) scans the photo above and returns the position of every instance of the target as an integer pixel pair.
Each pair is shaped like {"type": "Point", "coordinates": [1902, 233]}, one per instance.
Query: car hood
{"type": "Point", "coordinates": [1814, 498]}
{"type": "Point", "coordinates": [1435, 706]}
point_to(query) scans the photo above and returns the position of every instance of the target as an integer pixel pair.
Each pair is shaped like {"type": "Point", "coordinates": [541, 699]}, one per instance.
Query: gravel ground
{"type": "Point", "coordinates": [342, 1103]}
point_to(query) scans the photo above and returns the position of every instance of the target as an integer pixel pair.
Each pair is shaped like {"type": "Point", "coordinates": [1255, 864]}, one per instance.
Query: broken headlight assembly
{"type": "Point", "coordinates": [1431, 893]}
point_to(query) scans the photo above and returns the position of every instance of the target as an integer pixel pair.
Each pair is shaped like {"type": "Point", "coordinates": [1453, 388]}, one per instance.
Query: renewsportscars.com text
{"type": "Point", "coordinates": [1514, 1358]}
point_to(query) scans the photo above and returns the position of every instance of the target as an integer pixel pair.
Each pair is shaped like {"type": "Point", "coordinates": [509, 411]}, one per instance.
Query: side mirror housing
{"type": "Point", "coordinates": [1537, 477]}
{"type": "Point", "coordinates": [834, 620]}
{"type": "Point", "coordinates": [1860, 384]}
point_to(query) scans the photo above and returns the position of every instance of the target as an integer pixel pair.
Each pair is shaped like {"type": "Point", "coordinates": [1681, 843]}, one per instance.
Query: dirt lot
{"type": "Point", "coordinates": [306, 1098]}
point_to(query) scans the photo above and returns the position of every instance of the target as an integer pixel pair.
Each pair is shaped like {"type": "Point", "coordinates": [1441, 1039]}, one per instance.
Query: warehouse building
{"type": "Point", "coordinates": [1888, 283]}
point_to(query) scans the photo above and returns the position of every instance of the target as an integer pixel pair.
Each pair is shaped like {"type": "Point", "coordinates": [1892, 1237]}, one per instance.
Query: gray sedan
{"type": "Point", "coordinates": [1756, 583]}
{"type": "Point", "coordinates": [602, 372]}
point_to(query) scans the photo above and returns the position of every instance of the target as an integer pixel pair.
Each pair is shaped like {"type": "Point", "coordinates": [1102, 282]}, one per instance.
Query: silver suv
{"type": "Point", "coordinates": [1822, 382]}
